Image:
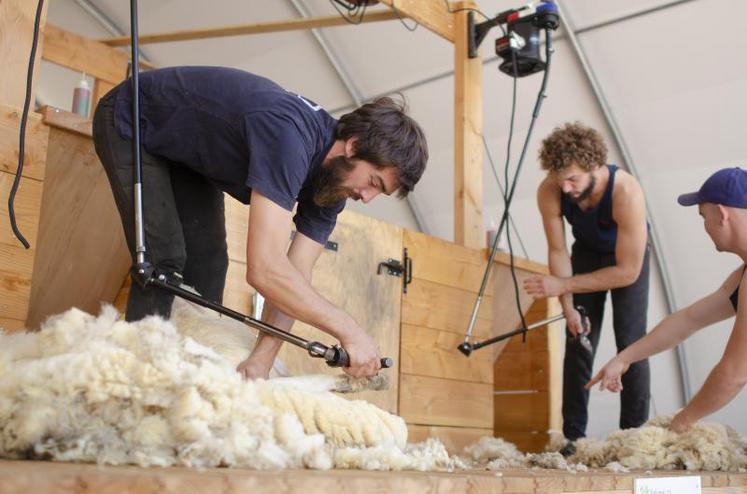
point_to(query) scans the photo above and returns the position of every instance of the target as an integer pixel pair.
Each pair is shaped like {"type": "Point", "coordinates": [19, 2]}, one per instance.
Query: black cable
{"type": "Point", "coordinates": [468, 9]}
{"type": "Point", "coordinates": [352, 11]}
{"type": "Point", "coordinates": [535, 114]}
{"type": "Point", "coordinates": [507, 202]}
{"type": "Point", "coordinates": [402, 20]}
{"type": "Point", "coordinates": [22, 131]}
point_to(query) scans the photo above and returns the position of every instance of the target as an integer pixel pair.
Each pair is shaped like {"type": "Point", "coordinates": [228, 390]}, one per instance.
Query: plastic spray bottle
{"type": "Point", "coordinates": [81, 97]}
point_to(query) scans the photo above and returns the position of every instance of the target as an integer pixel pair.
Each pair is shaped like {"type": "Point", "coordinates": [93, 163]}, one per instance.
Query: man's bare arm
{"type": "Point", "coordinates": [629, 210]}
{"type": "Point", "coordinates": [727, 378]}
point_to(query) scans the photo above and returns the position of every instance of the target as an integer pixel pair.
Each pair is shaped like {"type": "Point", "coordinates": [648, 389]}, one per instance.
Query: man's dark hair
{"type": "Point", "coordinates": [573, 143]}
{"type": "Point", "coordinates": [387, 136]}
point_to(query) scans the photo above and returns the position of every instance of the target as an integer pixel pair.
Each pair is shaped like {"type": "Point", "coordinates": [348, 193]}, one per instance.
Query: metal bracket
{"type": "Point", "coordinates": [397, 268]}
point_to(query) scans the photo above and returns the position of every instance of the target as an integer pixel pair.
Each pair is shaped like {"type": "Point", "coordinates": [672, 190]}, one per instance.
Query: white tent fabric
{"type": "Point", "coordinates": [672, 72]}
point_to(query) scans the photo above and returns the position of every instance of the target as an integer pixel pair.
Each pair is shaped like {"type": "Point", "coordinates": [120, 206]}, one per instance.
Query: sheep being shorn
{"type": "Point", "coordinates": [99, 389]}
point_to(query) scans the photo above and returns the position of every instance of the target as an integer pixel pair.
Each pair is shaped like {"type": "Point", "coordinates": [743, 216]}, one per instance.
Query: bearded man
{"type": "Point", "coordinates": [606, 210]}
{"type": "Point", "coordinates": [210, 130]}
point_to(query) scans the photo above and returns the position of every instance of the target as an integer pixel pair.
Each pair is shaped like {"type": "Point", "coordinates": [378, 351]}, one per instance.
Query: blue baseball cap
{"type": "Point", "coordinates": [727, 187]}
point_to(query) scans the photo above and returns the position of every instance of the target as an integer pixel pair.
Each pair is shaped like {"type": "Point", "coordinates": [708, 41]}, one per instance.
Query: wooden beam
{"type": "Point", "coordinates": [86, 55]}
{"type": "Point", "coordinates": [467, 136]}
{"type": "Point", "coordinates": [435, 15]}
{"type": "Point", "coordinates": [16, 32]}
{"type": "Point", "coordinates": [244, 29]}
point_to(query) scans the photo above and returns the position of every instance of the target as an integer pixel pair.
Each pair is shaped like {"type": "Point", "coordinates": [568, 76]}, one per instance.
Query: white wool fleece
{"type": "Point", "coordinates": [99, 389]}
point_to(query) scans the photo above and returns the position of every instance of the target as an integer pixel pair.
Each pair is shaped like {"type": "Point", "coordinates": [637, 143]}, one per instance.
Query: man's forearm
{"type": "Point", "coordinates": [560, 265]}
{"type": "Point", "coordinates": [267, 346]}
{"type": "Point", "coordinates": [670, 332]}
{"type": "Point", "coordinates": [719, 389]}
{"type": "Point", "coordinates": [599, 280]}
{"type": "Point", "coordinates": [291, 293]}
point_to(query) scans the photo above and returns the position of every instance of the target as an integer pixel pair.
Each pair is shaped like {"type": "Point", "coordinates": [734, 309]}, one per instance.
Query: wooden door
{"type": "Point", "coordinates": [348, 278]}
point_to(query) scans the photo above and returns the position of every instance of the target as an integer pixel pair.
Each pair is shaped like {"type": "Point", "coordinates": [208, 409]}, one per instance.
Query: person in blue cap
{"type": "Point", "coordinates": [722, 202]}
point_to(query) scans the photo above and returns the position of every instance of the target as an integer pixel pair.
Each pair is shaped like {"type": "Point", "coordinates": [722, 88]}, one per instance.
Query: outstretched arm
{"type": "Point", "coordinates": [726, 379]}
{"type": "Point", "coordinates": [670, 332]}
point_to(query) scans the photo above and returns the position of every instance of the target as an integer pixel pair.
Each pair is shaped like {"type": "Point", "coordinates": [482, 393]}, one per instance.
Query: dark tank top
{"type": "Point", "coordinates": [735, 294]}
{"type": "Point", "coordinates": [594, 229]}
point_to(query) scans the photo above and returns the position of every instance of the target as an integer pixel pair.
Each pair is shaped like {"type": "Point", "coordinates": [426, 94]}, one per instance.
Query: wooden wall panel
{"type": "Point", "coordinates": [81, 257]}
{"type": "Point", "coordinates": [348, 279]}
{"type": "Point", "coordinates": [16, 265]}
{"type": "Point", "coordinates": [16, 34]}
{"type": "Point", "coordinates": [37, 135]}
{"type": "Point", "coordinates": [527, 381]}
{"type": "Point", "coordinates": [526, 441]}
{"type": "Point", "coordinates": [454, 438]}
{"type": "Point", "coordinates": [12, 325]}
{"type": "Point", "coordinates": [521, 411]}
{"type": "Point", "coordinates": [446, 263]}
{"type": "Point", "coordinates": [443, 307]}
{"type": "Point", "coordinates": [433, 353]}
{"type": "Point", "coordinates": [447, 402]}
{"type": "Point", "coordinates": [27, 205]}
{"type": "Point", "coordinates": [16, 262]}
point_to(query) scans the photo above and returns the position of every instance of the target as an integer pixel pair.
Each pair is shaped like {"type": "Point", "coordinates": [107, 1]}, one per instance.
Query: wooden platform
{"type": "Point", "coordinates": [27, 477]}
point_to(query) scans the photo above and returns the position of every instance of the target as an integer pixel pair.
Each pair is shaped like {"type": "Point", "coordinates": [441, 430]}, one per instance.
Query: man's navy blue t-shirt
{"type": "Point", "coordinates": [241, 131]}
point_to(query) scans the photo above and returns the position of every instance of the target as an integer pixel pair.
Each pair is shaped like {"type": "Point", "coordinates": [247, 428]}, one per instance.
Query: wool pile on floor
{"type": "Point", "coordinates": [159, 393]}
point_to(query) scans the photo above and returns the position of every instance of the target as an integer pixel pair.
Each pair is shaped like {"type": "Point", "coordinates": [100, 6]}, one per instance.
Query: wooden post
{"type": "Point", "coordinates": [16, 33]}
{"type": "Point", "coordinates": [467, 136]}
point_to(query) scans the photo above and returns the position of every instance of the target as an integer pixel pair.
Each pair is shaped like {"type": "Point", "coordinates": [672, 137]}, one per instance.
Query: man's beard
{"type": "Point", "coordinates": [327, 182]}
{"type": "Point", "coordinates": [586, 193]}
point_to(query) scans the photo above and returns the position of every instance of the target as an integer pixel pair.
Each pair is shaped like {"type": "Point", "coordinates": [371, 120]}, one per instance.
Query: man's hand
{"type": "Point", "coordinates": [540, 286]}
{"type": "Point", "coordinates": [365, 359]}
{"type": "Point", "coordinates": [681, 423]}
{"type": "Point", "coordinates": [610, 377]}
{"type": "Point", "coordinates": [575, 322]}
{"type": "Point", "coordinates": [253, 368]}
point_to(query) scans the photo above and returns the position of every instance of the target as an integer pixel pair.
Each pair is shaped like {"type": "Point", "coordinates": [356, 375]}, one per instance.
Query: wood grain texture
{"type": "Point", "coordinates": [23, 477]}
{"type": "Point", "coordinates": [16, 34]}
{"type": "Point", "coordinates": [27, 207]}
{"type": "Point", "coordinates": [65, 120]}
{"type": "Point", "coordinates": [446, 263]}
{"type": "Point", "coordinates": [247, 29]}
{"type": "Point", "coordinates": [454, 438]}
{"type": "Point", "coordinates": [37, 136]}
{"type": "Point", "coordinates": [447, 402]}
{"type": "Point", "coordinates": [432, 353]}
{"type": "Point", "coordinates": [16, 266]}
{"type": "Point", "coordinates": [85, 55]}
{"type": "Point", "coordinates": [444, 308]}
{"type": "Point", "coordinates": [348, 279]}
{"type": "Point", "coordinates": [468, 145]}
{"type": "Point", "coordinates": [81, 257]}
{"type": "Point", "coordinates": [435, 15]}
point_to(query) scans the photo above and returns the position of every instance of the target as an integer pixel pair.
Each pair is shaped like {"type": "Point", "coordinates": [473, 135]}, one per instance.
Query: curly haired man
{"type": "Point", "coordinates": [606, 210]}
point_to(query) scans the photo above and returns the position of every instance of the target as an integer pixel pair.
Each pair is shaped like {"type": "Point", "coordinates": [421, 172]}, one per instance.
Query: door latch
{"type": "Point", "coordinates": [395, 267]}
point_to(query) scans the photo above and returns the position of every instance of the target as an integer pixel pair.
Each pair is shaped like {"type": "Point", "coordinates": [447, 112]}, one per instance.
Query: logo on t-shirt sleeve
{"type": "Point", "coordinates": [308, 103]}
